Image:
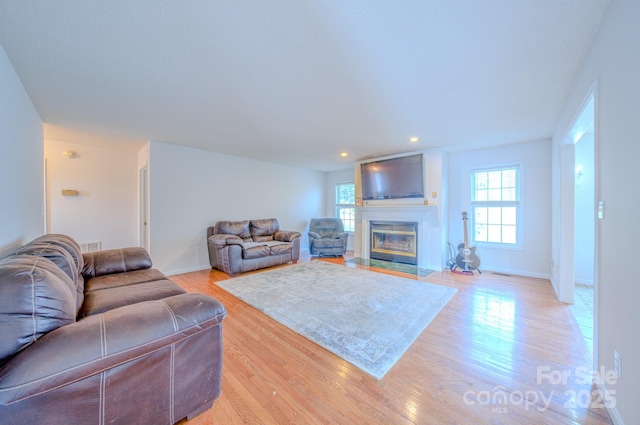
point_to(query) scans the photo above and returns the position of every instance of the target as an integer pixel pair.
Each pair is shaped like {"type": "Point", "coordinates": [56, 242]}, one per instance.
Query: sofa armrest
{"type": "Point", "coordinates": [286, 235]}
{"type": "Point", "coordinates": [314, 235]}
{"type": "Point", "coordinates": [222, 239]}
{"type": "Point", "coordinates": [111, 261]}
{"type": "Point", "coordinates": [103, 341]}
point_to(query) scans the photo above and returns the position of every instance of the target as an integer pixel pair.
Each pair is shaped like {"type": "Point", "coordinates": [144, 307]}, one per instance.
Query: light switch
{"type": "Point", "coordinates": [601, 210]}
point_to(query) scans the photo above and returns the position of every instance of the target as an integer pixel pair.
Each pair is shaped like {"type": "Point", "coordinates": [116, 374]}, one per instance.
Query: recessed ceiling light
{"type": "Point", "coordinates": [413, 139]}
{"type": "Point", "coordinates": [344, 154]}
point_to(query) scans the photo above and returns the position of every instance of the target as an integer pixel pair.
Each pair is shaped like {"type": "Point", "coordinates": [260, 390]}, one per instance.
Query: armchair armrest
{"type": "Point", "coordinates": [104, 341]}
{"type": "Point", "coordinates": [223, 239]}
{"type": "Point", "coordinates": [115, 261]}
{"type": "Point", "coordinates": [286, 235]}
{"type": "Point", "coordinates": [342, 235]}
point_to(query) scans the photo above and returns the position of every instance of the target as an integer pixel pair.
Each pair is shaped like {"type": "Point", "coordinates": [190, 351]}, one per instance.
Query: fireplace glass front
{"type": "Point", "coordinates": [394, 241]}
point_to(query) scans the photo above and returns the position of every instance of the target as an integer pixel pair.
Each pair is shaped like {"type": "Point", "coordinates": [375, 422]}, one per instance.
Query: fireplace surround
{"type": "Point", "coordinates": [428, 238]}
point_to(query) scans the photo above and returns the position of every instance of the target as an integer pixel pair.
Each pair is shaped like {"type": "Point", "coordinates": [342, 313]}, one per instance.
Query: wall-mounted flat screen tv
{"type": "Point", "coordinates": [394, 178]}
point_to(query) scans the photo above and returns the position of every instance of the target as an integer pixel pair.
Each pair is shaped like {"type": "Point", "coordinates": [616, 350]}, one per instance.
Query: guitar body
{"type": "Point", "coordinates": [467, 258]}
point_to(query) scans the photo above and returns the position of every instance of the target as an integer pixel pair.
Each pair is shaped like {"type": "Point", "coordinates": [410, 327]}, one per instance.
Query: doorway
{"type": "Point", "coordinates": [143, 222]}
{"type": "Point", "coordinates": [581, 140]}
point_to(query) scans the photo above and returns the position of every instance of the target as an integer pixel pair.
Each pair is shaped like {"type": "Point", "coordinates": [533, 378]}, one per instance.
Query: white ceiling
{"type": "Point", "coordinates": [297, 82]}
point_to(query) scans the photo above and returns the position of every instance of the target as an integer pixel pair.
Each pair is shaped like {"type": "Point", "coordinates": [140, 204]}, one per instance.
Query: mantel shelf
{"type": "Point", "coordinates": [395, 206]}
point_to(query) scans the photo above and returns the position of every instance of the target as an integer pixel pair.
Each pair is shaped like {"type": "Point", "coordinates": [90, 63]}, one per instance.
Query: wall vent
{"type": "Point", "coordinates": [90, 247]}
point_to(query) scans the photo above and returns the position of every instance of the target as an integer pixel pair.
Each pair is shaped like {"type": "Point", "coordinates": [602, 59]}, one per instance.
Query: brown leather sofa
{"type": "Point", "coordinates": [102, 338]}
{"type": "Point", "coordinates": [241, 246]}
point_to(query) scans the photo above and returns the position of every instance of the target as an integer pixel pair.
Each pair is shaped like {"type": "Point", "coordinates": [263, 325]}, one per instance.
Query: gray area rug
{"type": "Point", "coordinates": [367, 318]}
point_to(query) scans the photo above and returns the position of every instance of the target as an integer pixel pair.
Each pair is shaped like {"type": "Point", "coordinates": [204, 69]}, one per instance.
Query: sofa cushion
{"type": "Point", "coordinates": [255, 250]}
{"type": "Point", "coordinates": [55, 253]}
{"type": "Point", "coordinates": [123, 279]}
{"type": "Point", "coordinates": [35, 297]}
{"type": "Point", "coordinates": [262, 230]}
{"type": "Point", "coordinates": [61, 258]}
{"type": "Point", "coordinates": [280, 248]}
{"type": "Point", "coordinates": [236, 228]}
{"type": "Point", "coordinates": [71, 247]}
{"type": "Point", "coordinates": [66, 242]}
{"type": "Point", "coordinates": [107, 299]}
{"type": "Point", "coordinates": [110, 261]}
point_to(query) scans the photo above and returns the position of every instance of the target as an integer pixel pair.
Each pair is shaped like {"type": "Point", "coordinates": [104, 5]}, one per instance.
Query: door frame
{"type": "Point", "coordinates": [566, 276]}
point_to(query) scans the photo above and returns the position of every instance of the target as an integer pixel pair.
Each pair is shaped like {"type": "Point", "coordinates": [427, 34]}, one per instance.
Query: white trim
{"type": "Point", "coordinates": [596, 240]}
{"type": "Point", "coordinates": [606, 395]}
{"type": "Point", "coordinates": [513, 272]}
{"type": "Point", "coordinates": [337, 205]}
{"type": "Point", "coordinates": [186, 270]}
{"type": "Point", "coordinates": [565, 283]}
{"type": "Point", "coordinates": [519, 204]}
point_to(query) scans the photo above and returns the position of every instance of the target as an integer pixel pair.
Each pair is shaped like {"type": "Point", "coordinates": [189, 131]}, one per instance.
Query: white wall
{"type": "Point", "coordinates": [106, 207]}
{"type": "Point", "coordinates": [21, 164]}
{"type": "Point", "coordinates": [615, 63]}
{"type": "Point", "coordinates": [436, 194]}
{"type": "Point", "coordinates": [331, 180]}
{"type": "Point", "coordinates": [534, 257]}
{"type": "Point", "coordinates": [191, 189]}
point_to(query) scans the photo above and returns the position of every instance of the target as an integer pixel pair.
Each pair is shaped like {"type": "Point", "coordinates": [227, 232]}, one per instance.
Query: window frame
{"type": "Point", "coordinates": [339, 206]}
{"type": "Point", "coordinates": [518, 204]}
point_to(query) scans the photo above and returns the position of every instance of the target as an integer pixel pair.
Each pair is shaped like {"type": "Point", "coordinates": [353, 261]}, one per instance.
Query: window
{"type": "Point", "coordinates": [495, 202]}
{"type": "Point", "coordinates": [346, 205]}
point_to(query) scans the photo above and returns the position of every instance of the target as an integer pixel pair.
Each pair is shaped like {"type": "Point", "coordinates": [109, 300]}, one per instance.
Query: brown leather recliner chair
{"type": "Point", "coordinates": [327, 237]}
{"type": "Point", "coordinates": [102, 338]}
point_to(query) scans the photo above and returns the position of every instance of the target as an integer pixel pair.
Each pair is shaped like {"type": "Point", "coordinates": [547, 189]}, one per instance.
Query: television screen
{"type": "Point", "coordinates": [393, 178]}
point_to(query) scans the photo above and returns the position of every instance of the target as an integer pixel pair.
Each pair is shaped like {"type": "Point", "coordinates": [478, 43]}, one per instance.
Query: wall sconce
{"type": "Point", "coordinates": [69, 154]}
{"type": "Point", "coordinates": [579, 171]}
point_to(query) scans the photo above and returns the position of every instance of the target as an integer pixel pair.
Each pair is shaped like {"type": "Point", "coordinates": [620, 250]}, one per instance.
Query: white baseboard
{"type": "Point", "coordinates": [516, 272]}
{"type": "Point", "coordinates": [606, 395]}
{"type": "Point", "coordinates": [186, 270]}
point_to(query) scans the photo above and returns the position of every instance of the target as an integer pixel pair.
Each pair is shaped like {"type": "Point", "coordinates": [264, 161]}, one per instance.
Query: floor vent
{"type": "Point", "coordinates": [502, 274]}
{"type": "Point", "coordinates": [90, 246]}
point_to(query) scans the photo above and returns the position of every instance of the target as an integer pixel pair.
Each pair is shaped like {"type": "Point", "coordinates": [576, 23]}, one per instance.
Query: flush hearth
{"type": "Point", "coordinates": [394, 241]}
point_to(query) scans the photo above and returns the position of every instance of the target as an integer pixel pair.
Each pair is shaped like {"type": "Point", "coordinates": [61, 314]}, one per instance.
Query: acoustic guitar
{"type": "Point", "coordinates": [467, 258]}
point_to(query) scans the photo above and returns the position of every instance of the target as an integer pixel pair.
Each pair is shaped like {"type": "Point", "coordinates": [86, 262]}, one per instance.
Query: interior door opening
{"type": "Point", "coordinates": [584, 223]}
{"type": "Point", "coordinates": [143, 222]}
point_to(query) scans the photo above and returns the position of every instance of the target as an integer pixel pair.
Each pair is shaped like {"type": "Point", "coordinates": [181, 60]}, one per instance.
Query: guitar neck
{"type": "Point", "coordinates": [466, 235]}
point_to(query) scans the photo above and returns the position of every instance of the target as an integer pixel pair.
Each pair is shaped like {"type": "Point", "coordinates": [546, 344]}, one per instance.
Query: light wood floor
{"type": "Point", "coordinates": [489, 357]}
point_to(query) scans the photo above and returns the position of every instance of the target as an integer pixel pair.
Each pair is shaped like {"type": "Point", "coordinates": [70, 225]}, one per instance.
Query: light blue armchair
{"type": "Point", "coordinates": [327, 237]}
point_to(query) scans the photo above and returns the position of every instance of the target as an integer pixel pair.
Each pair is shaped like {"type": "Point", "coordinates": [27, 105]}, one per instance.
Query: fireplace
{"type": "Point", "coordinates": [429, 244]}
{"type": "Point", "coordinates": [394, 241]}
